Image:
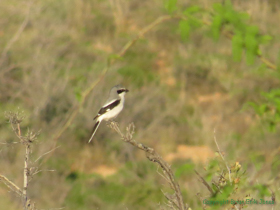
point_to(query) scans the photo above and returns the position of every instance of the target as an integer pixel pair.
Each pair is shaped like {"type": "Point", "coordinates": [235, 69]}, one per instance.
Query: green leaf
{"type": "Point", "coordinates": [272, 126]}
{"type": "Point", "coordinates": [231, 16]}
{"type": "Point", "coordinates": [184, 169]}
{"type": "Point", "coordinates": [263, 190]}
{"type": "Point", "coordinates": [237, 46]}
{"type": "Point", "coordinates": [250, 57]}
{"type": "Point", "coordinates": [259, 52]}
{"type": "Point", "coordinates": [218, 8]}
{"type": "Point", "coordinates": [252, 104]}
{"type": "Point", "coordinates": [228, 5]}
{"type": "Point", "coordinates": [170, 5]}
{"type": "Point", "coordinates": [208, 177]}
{"type": "Point", "coordinates": [252, 30]}
{"type": "Point", "coordinates": [270, 109]}
{"type": "Point", "coordinates": [265, 39]}
{"type": "Point", "coordinates": [216, 26]}
{"type": "Point", "coordinates": [191, 10]}
{"type": "Point", "coordinates": [257, 160]}
{"type": "Point", "coordinates": [184, 27]}
{"type": "Point", "coordinates": [225, 192]}
{"type": "Point", "coordinates": [194, 23]}
{"type": "Point", "coordinates": [243, 16]}
{"type": "Point", "coordinates": [78, 94]}
{"type": "Point", "coordinates": [251, 45]}
{"type": "Point", "coordinates": [115, 56]}
{"type": "Point", "coordinates": [259, 109]}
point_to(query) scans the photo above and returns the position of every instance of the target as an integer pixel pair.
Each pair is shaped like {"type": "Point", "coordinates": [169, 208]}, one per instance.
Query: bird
{"type": "Point", "coordinates": [112, 107]}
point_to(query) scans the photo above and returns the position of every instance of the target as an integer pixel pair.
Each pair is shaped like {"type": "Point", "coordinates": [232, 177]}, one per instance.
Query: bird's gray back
{"type": "Point", "coordinates": [113, 94]}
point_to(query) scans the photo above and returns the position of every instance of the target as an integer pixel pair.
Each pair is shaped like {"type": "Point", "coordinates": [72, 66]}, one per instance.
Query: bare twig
{"type": "Point", "coordinates": [201, 200]}
{"type": "Point", "coordinates": [204, 182]}
{"type": "Point", "coordinates": [27, 141]}
{"type": "Point", "coordinates": [15, 118]}
{"type": "Point", "coordinates": [38, 171]}
{"type": "Point", "coordinates": [175, 200]}
{"type": "Point", "coordinates": [229, 171]}
{"type": "Point", "coordinates": [11, 185]}
{"type": "Point", "coordinates": [15, 142]}
{"type": "Point", "coordinates": [26, 173]}
{"type": "Point", "coordinates": [45, 154]}
{"type": "Point", "coordinates": [143, 32]}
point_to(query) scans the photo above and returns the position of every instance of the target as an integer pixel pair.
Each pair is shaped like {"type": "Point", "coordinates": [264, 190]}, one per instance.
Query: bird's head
{"type": "Point", "coordinates": [120, 89]}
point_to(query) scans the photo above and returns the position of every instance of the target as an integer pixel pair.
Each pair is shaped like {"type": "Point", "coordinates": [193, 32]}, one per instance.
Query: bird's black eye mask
{"type": "Point", "coordinates": [122, 90]}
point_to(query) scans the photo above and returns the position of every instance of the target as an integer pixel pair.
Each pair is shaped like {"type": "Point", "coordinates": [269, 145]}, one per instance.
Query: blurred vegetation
{"type": "Point", "coordinates": [209, 65]}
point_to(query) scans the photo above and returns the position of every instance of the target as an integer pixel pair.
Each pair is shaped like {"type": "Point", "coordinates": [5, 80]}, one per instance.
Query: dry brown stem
{"type": "Point", "coordinates": [15, 118]}
{"type": "Point", "coordinates": [12, 186]}
{"type": "Point", "coordinates": [175, 200]}
{"type": "Point", "coordinates": [221, 155]}
{"type": "Point", "coordinates": [204, 182]}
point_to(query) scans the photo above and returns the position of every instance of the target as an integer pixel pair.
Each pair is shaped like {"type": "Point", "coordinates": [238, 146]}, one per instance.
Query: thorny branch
{"type": "Point", "coordinates": [175, 200]}
{"type": "Point", "coordinates": [204, 182]}
{"type": "Point", "coordinates": [11, 185]}
{"type": "Point", "coordinates": [229, 171]}
{"type": "Point", "coordinates": [15, 118]}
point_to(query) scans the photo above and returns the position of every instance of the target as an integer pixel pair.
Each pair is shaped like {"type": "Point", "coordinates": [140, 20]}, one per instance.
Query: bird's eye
{"type": "Point", "coordinates": [120, 91]}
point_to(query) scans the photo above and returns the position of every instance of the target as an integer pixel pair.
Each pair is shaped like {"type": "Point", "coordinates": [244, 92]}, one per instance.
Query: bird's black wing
{"type": "Point", "coordinates": [107, 108]}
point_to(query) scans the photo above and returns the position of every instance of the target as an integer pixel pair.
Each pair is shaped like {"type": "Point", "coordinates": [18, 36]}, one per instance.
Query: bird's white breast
{"type": "Point", "coordinates": [113, 113]}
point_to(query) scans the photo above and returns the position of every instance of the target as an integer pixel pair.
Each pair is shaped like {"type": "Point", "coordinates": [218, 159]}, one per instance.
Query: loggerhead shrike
{"type": "Point", "coordinates": [112, 107]}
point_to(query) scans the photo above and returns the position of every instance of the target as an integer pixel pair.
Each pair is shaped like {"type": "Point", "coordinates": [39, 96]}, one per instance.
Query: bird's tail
{"type": "Point", "coordinates": [94, 130]}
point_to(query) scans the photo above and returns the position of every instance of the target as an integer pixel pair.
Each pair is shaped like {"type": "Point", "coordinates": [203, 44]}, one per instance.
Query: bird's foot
{"type": "Point", "coordinates": [111, 122]}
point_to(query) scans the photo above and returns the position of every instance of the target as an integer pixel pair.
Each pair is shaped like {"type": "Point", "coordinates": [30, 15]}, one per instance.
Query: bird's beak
{"type": "Point", "coordinates": [126, 90]}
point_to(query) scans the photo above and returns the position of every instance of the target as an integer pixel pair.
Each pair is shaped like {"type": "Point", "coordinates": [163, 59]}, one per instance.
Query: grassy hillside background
{"type": "Point", "coordinates": [181, 91]}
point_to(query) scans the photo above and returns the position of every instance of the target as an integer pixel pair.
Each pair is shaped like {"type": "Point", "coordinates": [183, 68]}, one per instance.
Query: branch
{"type": "Point", "coordinates": [15, 118]}
{"type": "Point", "coordinates": [27, 141]}
{"type": "Point", "coordinates": [204, 182]}
{"type": "Point", "coordinates": [176, 200]}
{"type": "Point", "coordinates": [11, 185]}
{"type": "Point", "coordinates": [26, 174]}
{"type": "Point", "coordinates": [45, 154]}
{"type": "Point", "coordinates": [229, 171]}
{"type": "Point", "coordinates": [143, 32]}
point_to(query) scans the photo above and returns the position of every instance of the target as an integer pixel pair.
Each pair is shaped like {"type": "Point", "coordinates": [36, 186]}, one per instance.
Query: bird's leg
{"type": "Point", "coordinates": [113, 122]}
{"type": "Point", "coordinates": [108, 123]}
